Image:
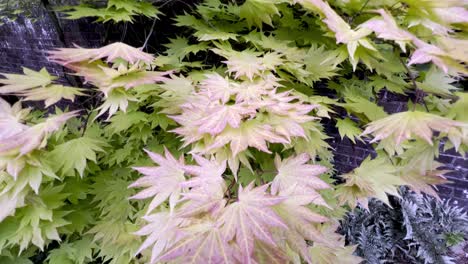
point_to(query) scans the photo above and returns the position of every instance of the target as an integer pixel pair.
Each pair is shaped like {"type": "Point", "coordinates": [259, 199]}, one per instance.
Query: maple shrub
{"type": "Point", "coordinates": [215, 150]}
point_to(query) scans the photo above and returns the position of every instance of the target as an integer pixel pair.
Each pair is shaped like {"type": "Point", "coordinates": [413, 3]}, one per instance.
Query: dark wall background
{"type": "Point", "coordinates": [23, 43]}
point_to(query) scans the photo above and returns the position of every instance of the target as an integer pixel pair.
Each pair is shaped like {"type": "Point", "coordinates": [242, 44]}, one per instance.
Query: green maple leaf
{"type": "Point", "coordinates": [123, 121]}
{"type": "Point", "coordinates": [19, 82]}
{"type": "Point", "coordinates": [458, 111]}
{"type": "Point", "coordinates": [393, 84]}
{"type": "Point", "coordinates": [73, 155]}
{"type": "Point", "coordinates": [361, 105]}
{"type": "Point", "coordinates": [437, 82]}
{"type": "Point", "coordinates": [373, 178]}
{"type": "Point", "coordinates": [347, 128]}
{"type": "Point", "coordinates": [77, 12]}
{"type": "Point", "coordinates": [129, 6]}
{"type": "Point", "coordinates": [15, 260]}
{"type": "Point", "coordinates": [257, 12]}
{"type": "Point", "coordinates": [76, 252]}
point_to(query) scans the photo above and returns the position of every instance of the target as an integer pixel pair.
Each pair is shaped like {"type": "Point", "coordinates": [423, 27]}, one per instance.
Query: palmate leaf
{"type": "Point", "coordinates": [116, 11]}
{"type": "Point", "coordinates": [76, 252]}
{"type": "Point", "coordinates": [250, 218]}
{"type": "Point", "coordinates": [161, 231]}
{"type": "Point", "coordinates": [361, 105]}
{"type": "Point", "coordinates": [401, 126]}
{"type": "Point", "coordinates": [294, 172]}
{"type": "Point", "coordinates": [437, 82]}
{"type": "Point", "coordinates": [205, 244]}
{"type": "Point", "coordinates": [300, 219]}
{"type": "Point", "coordinates": [51, 94]}
{"type": "Point", "coordinates": [424, 182]}
{"type": "Point", "coordinates": [249, 134]}
{"type": "Point", "coordinates": [347, 128]}
{"type": "Point", "coordinates": [353, 39]}
{"type": "Point", "coordinates": [208, 176]}
{"type": "Point", "coordinates": [73, 155]}
{"type": "Point", "coordinates": [112, 52]}
{"type": "Point", "coordinates": [117, 99]}
{"type": "Point", "coordinates": [161, 182]}
{"type": "Point", "coordinates": [10, 119]}
{"type": "Point", "coordinates": [257, 12]}
{"type": "Point", "coordinates": [373, 178]}
{"type": "Point", "coordinates": [31, 79]}
{"type": "Point", "coordinates": [37, 86]}
{"type": "Point", "coordinates": [386, 27]}
{"type": "Point", "coordinates": [34, 137]}
{"type": "Point", "coordinates": [248, 63]}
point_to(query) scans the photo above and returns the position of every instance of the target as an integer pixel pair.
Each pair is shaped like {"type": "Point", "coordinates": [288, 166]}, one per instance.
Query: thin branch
{"type": "Point", "coordinates": [150, 33]}
{"type": "Point", "coordinates": [359, 12]}
{"type": "Point", "coordinates": [125, 32]}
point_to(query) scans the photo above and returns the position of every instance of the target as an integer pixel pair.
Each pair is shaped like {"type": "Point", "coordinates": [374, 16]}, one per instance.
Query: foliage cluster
{"type": "Point", "coordinates": [214, 151]}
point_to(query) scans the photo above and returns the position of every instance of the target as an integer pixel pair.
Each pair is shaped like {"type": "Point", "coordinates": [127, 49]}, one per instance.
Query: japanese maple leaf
{"type": "Point", "coordinates": [425, 53]}
{"type": "Point", "coordinates": [201, 201]}
{"type": "Point", "coordinates": [299, 219]}
{"type": "Point", "coordinates": [117, 99]}
{"type": "Point", "coordinates": [204, 244]}
{"type": "Point", "coordinates": [401, 126]}
{"type": "Point", "coordinates": [37, 86]}
{"type": "Point", "coordinates": [424, 181]}
{"type": "Point", "coordinates": [112, 52]}
{"type": "Point", "coordinates": [250, 218]}
{"type": "Point", "coordinates": [254, 91]}
{"type": "Point", "coordinates": [33, 137]}
{"type": "Point", "coordinates": [294, 171]}
{"type": "Point", "coordinates": [14, 83]}
{"type": "Point", "coordinates": [10, 119]}
{"type": "Point", "coordinates": [249, 63]}
{"type": "Point", "coordinates": [138, 78]}
{"type": "Point", "coordinates": [387, 28]}
{"type": "Point", "coordinates": [373, 178]}
{"type": "Point", "coordinates": [192, 111]}
{"type": "Point", "coordinates": [217, 87]}
{"type": "Point", "coordinates": [343, 32]}
{"type": "Point", "coordinates": [245, 64]}
{"type": "Point", "coordinates": [207, 187]}
{"type": "Point", "coordinates": [287, 127]}
{"type": "Point", "coordinates": [161, 182]}
{"type": "Point", "coordinates": [175, 92]}
{"type": "Point", "coordinates": [281, 104]}
{"type": "Point", "coordinates": [162, 232]}
{"type": "Point", "coordinates": [249, 134]}
{"type": "Point", "coordinates": [208, 173]}
{"type": "Point", "coordinates": [219, 116]}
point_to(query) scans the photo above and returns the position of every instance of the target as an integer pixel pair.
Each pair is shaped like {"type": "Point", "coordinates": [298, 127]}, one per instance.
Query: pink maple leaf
{"type": "Point", "coordinates": [161, 182]}
{"type": "Point", "coordinates": [295, 171]}
{"type": "Point", "coordinates": [250, 218]}
{"type": "Point", "coordinates": [250, 134]}
{"type": "Point", "coordinates": [204, 244]}
{"type": "Point", "coordinates": [217, 88]}
{"type": "Point", "coordinates": [218, 117]}
{"type": "Point", "coordinates": [112, 52]}
{"type": "Point", "coordinates": [33, 137]}
{"type": "Point", "coordinates": [163, 231]}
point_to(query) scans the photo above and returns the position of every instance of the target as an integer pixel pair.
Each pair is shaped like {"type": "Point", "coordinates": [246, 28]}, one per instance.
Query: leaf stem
{"type": "Point", "coordinates": [419, 94]}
